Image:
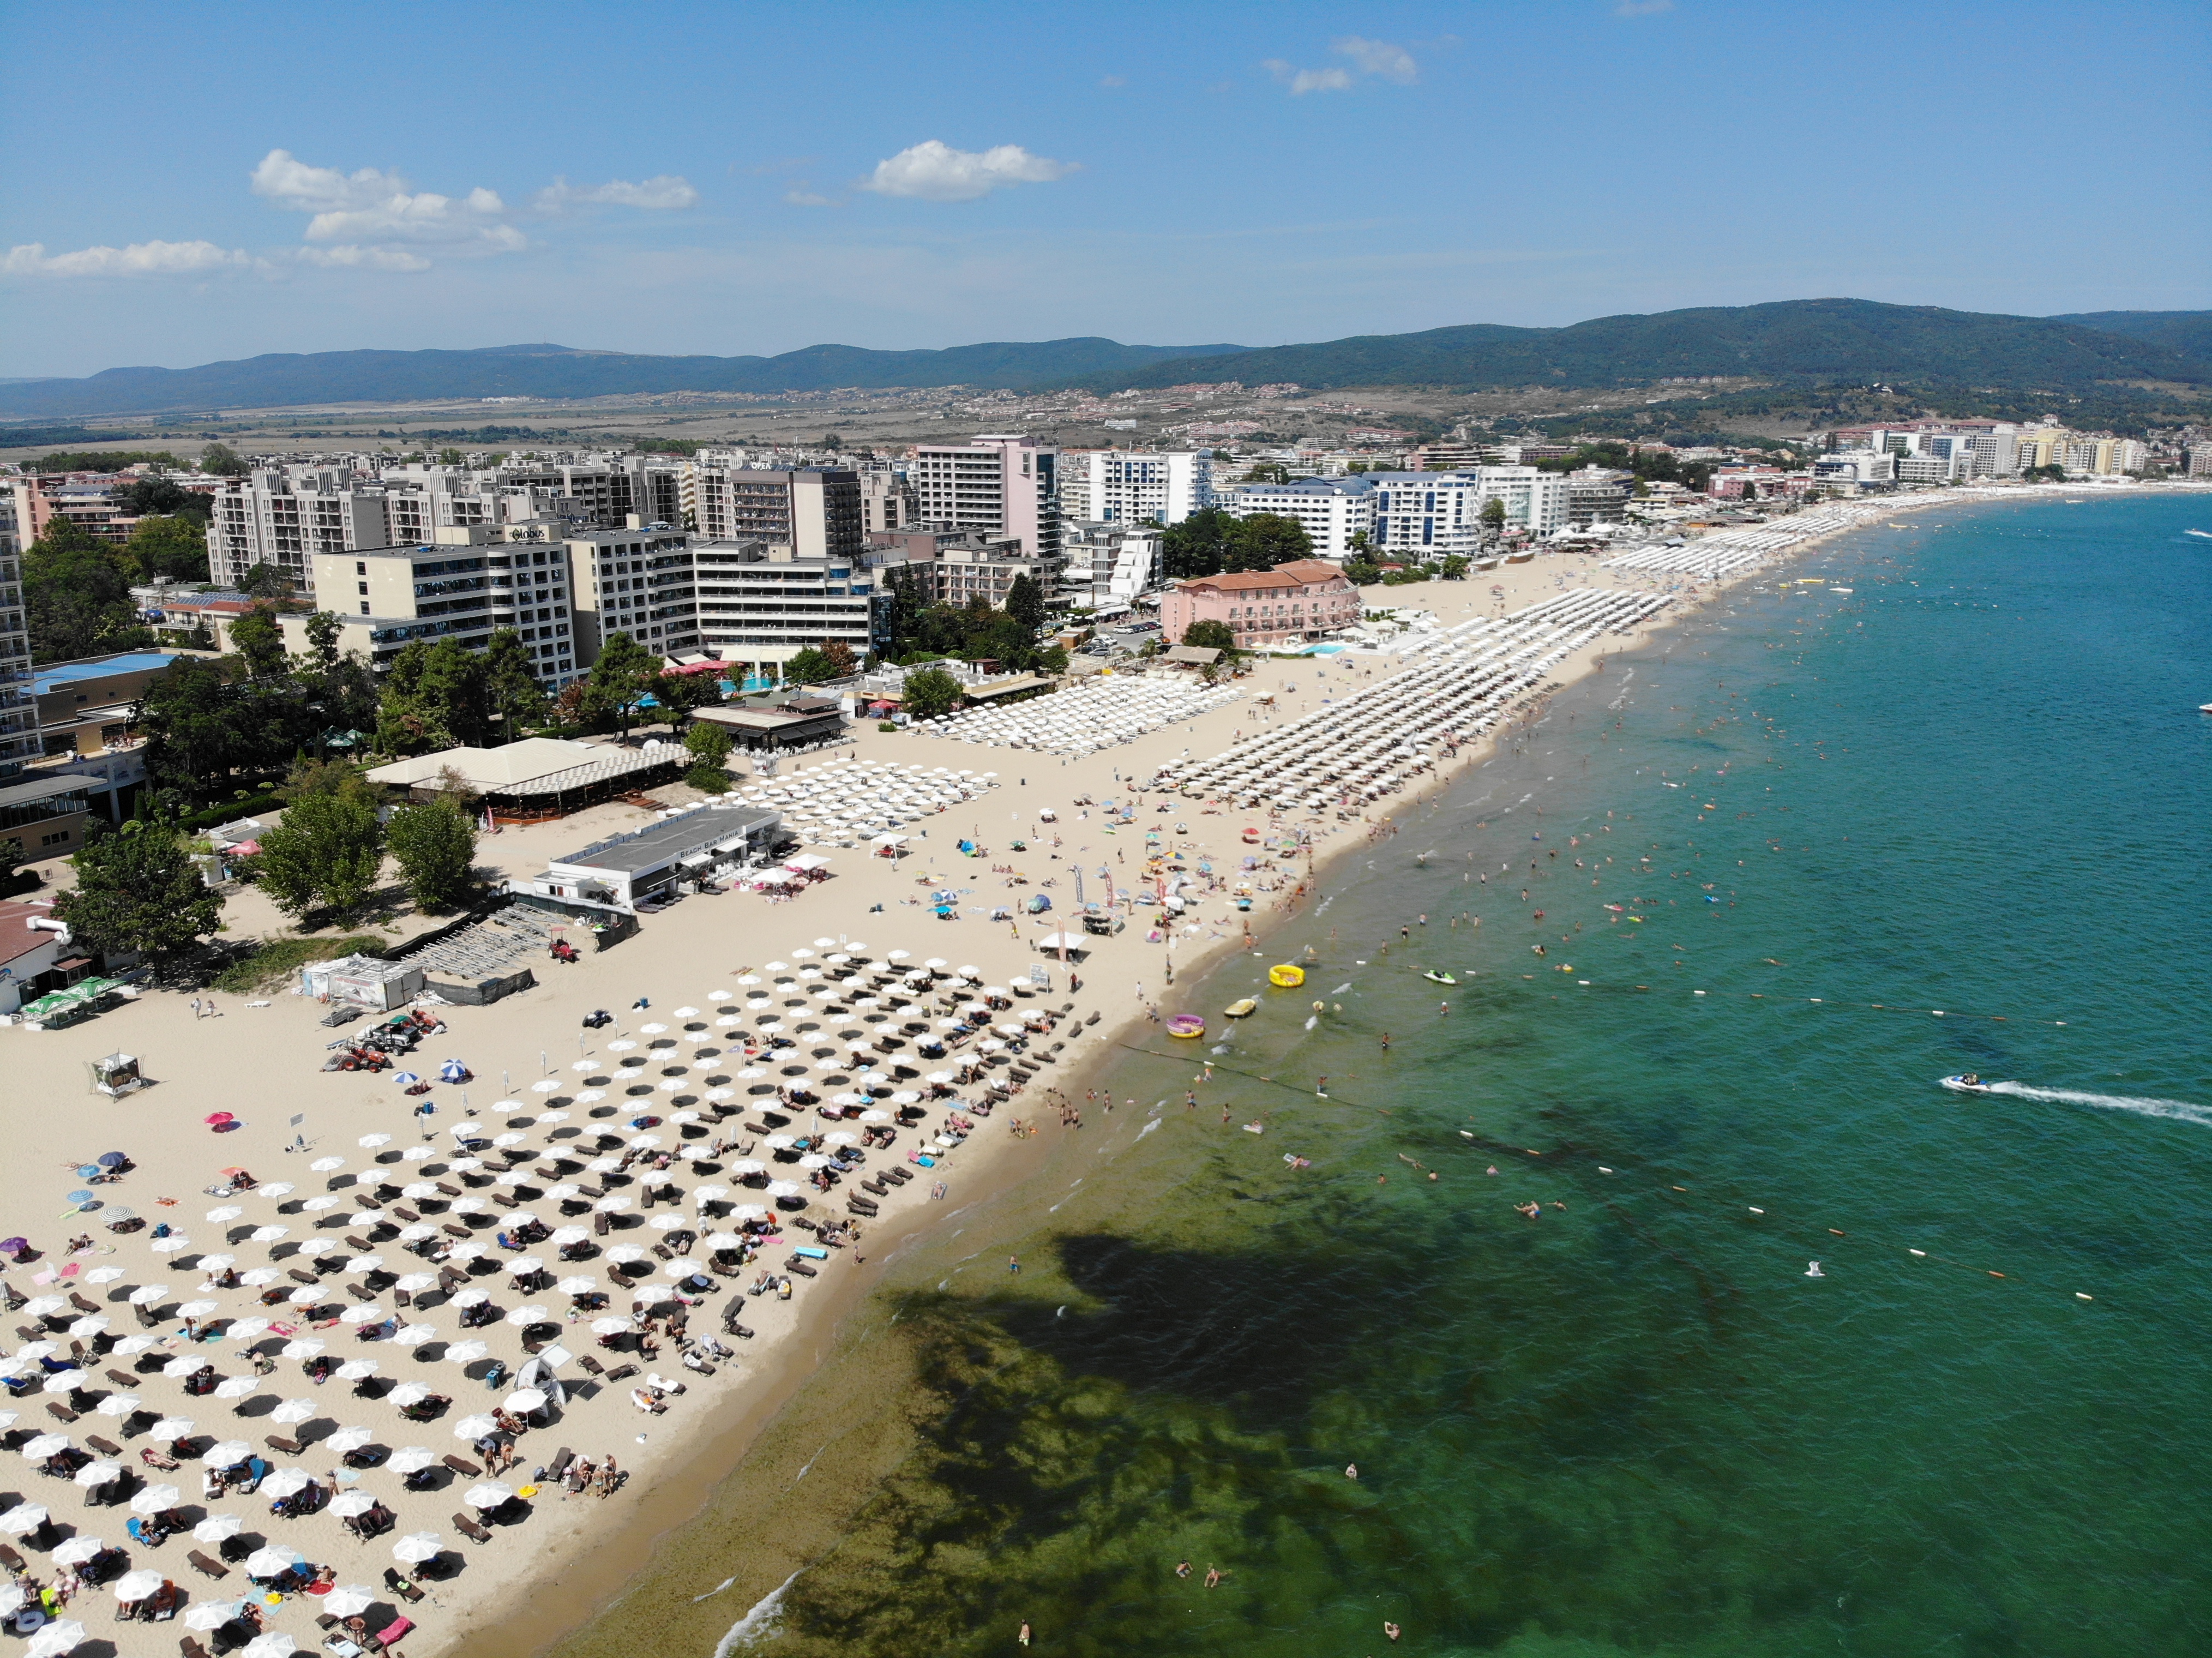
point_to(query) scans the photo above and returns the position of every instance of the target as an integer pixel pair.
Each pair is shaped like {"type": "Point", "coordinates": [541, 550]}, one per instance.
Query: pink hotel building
{"type": "Point", "coordinates": [1286, 605]}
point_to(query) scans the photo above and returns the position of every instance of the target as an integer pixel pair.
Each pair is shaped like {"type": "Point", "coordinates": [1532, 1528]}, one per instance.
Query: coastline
{"type": "Point", "coordinates": [557, 1569]}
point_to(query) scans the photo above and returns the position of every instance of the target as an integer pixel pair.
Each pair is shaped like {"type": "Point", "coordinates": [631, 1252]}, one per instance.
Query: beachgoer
{"type": "Point", "coordinates": [1182, 1569]}
{"type": "Point", "coordinates": [1014, 1265]}
{"type": "Point", "coordinates": [1352, 1471]}
{"type": "Point", "coordinates": [1213, 1576]}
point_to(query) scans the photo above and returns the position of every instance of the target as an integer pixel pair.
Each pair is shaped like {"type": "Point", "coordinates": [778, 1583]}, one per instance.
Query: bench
{"type": "Point", "coordinates": [206, 1566]}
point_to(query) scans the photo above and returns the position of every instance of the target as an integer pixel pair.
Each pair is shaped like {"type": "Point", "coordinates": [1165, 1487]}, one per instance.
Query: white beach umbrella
{"type": "Point", "coordinates": [410, 1459]}
{"type": "Point", "coordinates": [291, 1411]}
{"type": "Point", "coordinates": [236, 1386]}
{"type": "Point", "coordinates": [155, 1499]}
{"type": "Point", "coordinates": [416, 1547]}
{"type": "Point", "coordinates": [466, 1353]}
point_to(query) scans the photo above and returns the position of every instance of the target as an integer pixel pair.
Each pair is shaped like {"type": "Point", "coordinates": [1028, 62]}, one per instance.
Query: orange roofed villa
{"type": "Point", "coordinates": [1286, 605]}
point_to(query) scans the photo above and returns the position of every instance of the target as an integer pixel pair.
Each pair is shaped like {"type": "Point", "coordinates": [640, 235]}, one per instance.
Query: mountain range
{"type": "Point", "coordinates": [1838, 341]}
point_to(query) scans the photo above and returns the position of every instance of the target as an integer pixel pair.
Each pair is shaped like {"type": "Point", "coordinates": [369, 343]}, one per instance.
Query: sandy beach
{"type": "Point", "coordinates": [552, 1557]}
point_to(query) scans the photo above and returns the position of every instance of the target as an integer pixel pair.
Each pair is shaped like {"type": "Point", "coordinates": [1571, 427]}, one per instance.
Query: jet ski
{"type": "Point", "coordinates": [1440, 978]}
{"type": "Point", "coordinates": [1967, 1083]}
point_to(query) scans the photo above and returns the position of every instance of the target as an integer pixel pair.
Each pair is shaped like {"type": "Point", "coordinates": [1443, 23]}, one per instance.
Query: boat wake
{"type": "Point", "coordinates": [759, 1621]}
{"type": "Point", "coordinates": [2175, 1110]}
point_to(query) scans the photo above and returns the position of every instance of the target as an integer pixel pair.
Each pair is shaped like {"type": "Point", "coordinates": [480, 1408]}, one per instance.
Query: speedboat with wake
{"type": "Point", "coordinates": [1967, 1083]}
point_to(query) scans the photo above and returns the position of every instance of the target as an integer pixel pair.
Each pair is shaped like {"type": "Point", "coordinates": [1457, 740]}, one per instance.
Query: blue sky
{"type": "Point", "coordinates": [188, 182]}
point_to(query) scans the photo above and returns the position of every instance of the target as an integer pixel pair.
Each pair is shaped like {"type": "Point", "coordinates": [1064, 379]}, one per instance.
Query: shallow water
{"type": "Point", "coordinates": [1977, 783]}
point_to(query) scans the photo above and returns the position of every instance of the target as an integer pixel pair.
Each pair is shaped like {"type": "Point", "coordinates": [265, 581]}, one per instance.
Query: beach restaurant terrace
{"type": "Point", "coordinates": [694, 847]}
{"type": "Point", "coordinates": [539, 776]}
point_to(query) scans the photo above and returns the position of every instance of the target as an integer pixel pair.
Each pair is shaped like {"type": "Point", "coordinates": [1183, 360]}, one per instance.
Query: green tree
{"type": "Point", "coordinates": [265, 580]}
{"type": "Point", "coordinates": [260, 642]}
{"type": "Point", "coordinates": [138, 889]}
{"type": "Point", "coordinates": [147, 497]}
{"type": "Point", "coordinates": [930, 693]}
{"type": "Point", "coordinates": [1053, 660]}
{"type": "Point", "coordinates": [323, 630]}
{"type": "Point", "coordinates": [193, 717]}
{"type": "Point", "coordinates": [1265, 540]}
{"type": "Point", "coordinates": [77, 596]}
{"type": "Point", "coordinates": [174, 548]}
{"type": "Point", "coordinates": [1454, 567]}
{"type": "Point", "coordinates": [516, 698]}
{"type": "Point", "coordinates": [809, 666]}
{"type": "Point", "coordinates": [1362, 572]}
{"type": "Point", "coordinates": [309, 777]}
{"type": "Point", "coordinates": [222, 461]}
{"type": "Point", "coordinates": [1493, 515]}
{"type": "Point", "coordinates": [678, 694]}
{"type": "Point", "coordinates": [1360, 544]}
{"type": "Point", "coordinates": [326, 855]}
{"type": "Point", "coordinates": [710, 746]}
{"type": "Point", "coordinates": [436, 846]}
{"type": "Point", "coordinates": [1196, 546]}
{"type": "Point", "coordinates": [435, 696]}
{"type": "Point", "coordinates": [451, 458]}
{"type": "Point", "coordinates": [842, 663]}
{"type": "Point", "coordinates": [620, 679]}
{"type": "Point", "coordinates": [1210, 636]}
{"type": "Point", "coordinates": [1026, 601]}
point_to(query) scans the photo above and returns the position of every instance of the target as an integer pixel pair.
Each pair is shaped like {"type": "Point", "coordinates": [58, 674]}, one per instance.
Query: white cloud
{"type": "Point", "coordinates": [664, 190]}
{"type": "Point", "coordinates": [138, 259]}
{"type": "Point", "coordinates": [935, 172]}
{"type": "Point", "coordinates": [368, 212]}
{"type": "Point", "coordinates": [1379, 58]}
{"type": "Point", "coordinates": [285, 179]}
{"type": "Point", "coordinates": [347, 256]}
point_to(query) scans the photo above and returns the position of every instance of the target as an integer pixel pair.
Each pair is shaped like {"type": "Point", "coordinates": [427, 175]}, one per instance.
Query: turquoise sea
{"type": "Point", "coordinates": [1975, 782]}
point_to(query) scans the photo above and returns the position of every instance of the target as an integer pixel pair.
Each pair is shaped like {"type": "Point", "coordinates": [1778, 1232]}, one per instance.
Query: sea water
{"type": "Point", "coordinates": [1799, 1352]}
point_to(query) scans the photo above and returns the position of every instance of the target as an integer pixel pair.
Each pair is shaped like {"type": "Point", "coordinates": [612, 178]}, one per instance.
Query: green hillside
{"type": "Point", "coordinates": [1858, 341]}
{"type": "Point", "coordinates": [282, 379]}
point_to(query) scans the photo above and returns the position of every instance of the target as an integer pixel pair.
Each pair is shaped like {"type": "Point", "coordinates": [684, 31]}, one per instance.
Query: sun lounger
{"type": "Point", "coordinates": [82, 1304]}
{"type": "Point", "coordinates": [299, 1277]}
{"type": "Point", "coordinates": [360, 1292]}
{"type": "Point", "coordinates": [404, 1588]}
{"type": "Point", "coordinates": [470, 1529]}
{"type": "Point", "coordinates": [123, 1379]}
{"type": "Point", "coordinates": [559, 1465]}
{"type": "Point", "coordinates": [191, 1648]}
{"type": "Point", "coordinates": [60, 1412]}
{"type": "Point", "coordinates": [804, 1268]}
{"type": "Point", "coordinates": [289, 1446]}
{"type": "Point", "coordinates": [449, 1191]}
{"type": "Point", "coordinates": [407, 1215]}
{"type": "Point", "coordinates": [205, 1565]}
{"type": "Point", "coordinates": [622, 1373]}
{"type": "Point", "coordinates": [11, 1560]}
{"type": "Point", "coordinates": [104, 1447]}
{"type": "Point", "coordinates": [591, 1366]}
{"type": "Point", "coordinates": [461, 1465]}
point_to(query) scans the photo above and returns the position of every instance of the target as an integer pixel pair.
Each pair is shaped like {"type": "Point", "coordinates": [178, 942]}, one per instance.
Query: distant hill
{"type": "Point", "coordinates": [1836, 342]}
{"type": "Point", "coordinates": [560, 371]}
{"type": "Point", "coordinates": [1856, 341]}
{"type": "Point", "coordinates": [2189, 332]}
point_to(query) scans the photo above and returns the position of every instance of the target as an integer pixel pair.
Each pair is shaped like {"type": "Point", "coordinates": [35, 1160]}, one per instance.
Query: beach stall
{"type": "Point", "coordinates": [368, 981]}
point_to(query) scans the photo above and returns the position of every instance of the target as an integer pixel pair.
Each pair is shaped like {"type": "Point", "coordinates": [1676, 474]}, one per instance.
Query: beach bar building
{"type": "Point", "coordinates": [693, 847]}
{"type": "Point", "coordinates": [539, 776]}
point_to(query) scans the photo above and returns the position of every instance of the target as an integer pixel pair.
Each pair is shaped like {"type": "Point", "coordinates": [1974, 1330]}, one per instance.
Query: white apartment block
{"type": "Point", "coordinates": [1330, 510]}
{"type": "Point", "coordinates": [817, 512]}
{"type": "Point", "coordinates": [759, 604]}
{"type": "Point", "coordinates": [1109, 564]}
{"type": "Point", "coordinates": [1422, 515]}
{"type": "Point", "coordinates": [998, 484]}
{"type": "Point", "coordinates": [1120, 486]}
{"type": "Point", "coordinates": [636, 580]}
{"type": "Point", "coordinates": [289, 516]}
{"type": "Point", "coordinates": [466, 584]}
{"type": "Point", "coordinates": [1539, 502]}
{"type": "Point", "coordinates": [887, 500]}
